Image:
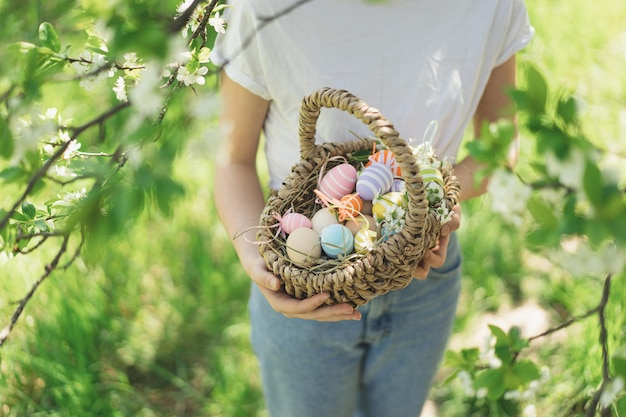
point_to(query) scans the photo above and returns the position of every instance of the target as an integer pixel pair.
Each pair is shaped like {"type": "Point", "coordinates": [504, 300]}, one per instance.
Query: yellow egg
{"type": "Point", "coordinates": [388, 203]}
{"type": "Point", "coordinates": [365, 240]}
{"type": "Point", "coordinates": [303, 246]}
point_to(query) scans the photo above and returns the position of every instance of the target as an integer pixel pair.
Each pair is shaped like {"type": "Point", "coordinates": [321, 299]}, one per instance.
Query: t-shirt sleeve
{"type": "Point", "coordinates": [237, 50]}
{"type": "Point", "coordinates": [519, 33]}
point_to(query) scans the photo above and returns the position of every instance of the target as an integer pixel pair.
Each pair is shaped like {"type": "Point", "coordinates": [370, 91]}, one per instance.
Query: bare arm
{"type": "Point", "coordinates": [494, 104]}
{"type": "Point", "coordinates": [239, 200]}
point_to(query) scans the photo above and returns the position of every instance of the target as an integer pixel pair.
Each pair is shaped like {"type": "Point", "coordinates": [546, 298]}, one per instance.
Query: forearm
{"type": "Point", "coordinates": [466, 173]}
{"type": "Point", "coordinates": [239, 200]}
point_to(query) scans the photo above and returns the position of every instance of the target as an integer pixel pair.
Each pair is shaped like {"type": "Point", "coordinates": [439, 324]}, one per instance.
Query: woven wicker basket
{"type": "Point", "coordinates": [390, 265]}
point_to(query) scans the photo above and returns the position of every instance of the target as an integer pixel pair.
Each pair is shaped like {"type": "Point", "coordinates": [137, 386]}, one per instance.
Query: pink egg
{"type": "Point", "coordinates": [339, 181]}
{"type": "Point", "coordinates": [374, 180]}
{"type": "Point", "coordinates": [292, 221]}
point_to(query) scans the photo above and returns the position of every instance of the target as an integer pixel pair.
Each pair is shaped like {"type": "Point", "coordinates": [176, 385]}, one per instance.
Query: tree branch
{"type": "Point", "coordinates": [4, 333]}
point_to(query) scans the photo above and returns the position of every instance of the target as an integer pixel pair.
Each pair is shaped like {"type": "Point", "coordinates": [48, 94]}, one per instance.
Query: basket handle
{"type": "Point", "coordinates": [377, 123]}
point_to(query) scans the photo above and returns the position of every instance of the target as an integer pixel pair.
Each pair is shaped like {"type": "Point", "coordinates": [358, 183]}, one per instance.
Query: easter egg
{"type": "Point", "coordinates": [338, 181]}
{"type": "Point", "coordinates": [367, 207]}
{"type": "Point", "coordinates": [303, 246]}
{"type": "Point", "coordinates": [365, 240]}
{"type": "Point", "coordinates": [386, 157]}
{"type": "Point", "coordinates": [431, 174]}
{"type": "Point", "coordinates": [374, 180]}
{"type": "Point", "coordinates": [322, 218]}
{"type": "Point", "coordinates": [398, 185]}
{"type": "Point", "coordinates": [388, 204]}
{"type": "Point", "coordinates": [363, 221]}
{"type": "Point", "coordinates": [351, 204]}
{"type": "Point", "coordinates": [336, 240]}
{"type": "Point", "coordinates": [291, 221]}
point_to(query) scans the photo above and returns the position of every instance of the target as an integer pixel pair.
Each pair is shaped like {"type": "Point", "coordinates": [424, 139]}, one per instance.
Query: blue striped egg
{"type": "Point", "coordinates": [336, 240]}
{"type": "Point", "coordinates": [374, 180]}
{"type": "Point", "coordinates": [338, 181]}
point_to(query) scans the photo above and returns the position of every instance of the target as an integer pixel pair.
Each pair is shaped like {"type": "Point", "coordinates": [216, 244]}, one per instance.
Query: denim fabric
{"type": "Point", "coordinates": [380, 366]}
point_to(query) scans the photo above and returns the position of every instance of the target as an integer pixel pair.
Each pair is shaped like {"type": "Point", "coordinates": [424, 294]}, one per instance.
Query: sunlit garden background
{"type": "Point", "coordinates": [152, 320]}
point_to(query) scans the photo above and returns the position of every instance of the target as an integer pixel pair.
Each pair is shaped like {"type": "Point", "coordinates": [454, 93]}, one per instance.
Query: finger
{"type": "Point", "coordinates": [423, 268]}
{"type": "Point", "coordinates": [264, 278]}
{"type": "Point", "coordinates": [310, 308]}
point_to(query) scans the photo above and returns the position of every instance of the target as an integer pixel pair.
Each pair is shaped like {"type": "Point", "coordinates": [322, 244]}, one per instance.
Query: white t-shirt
{"type": "Point", "coordinates": [416, 61]}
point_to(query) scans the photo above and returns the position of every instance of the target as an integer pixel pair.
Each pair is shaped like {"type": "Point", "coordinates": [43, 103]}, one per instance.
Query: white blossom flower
{"type": "Point", "coordinates": [530, 411]}
{"type": "Point", "coordinates": [120, 89]}
{"type": "Point", "coordinates": [217, 23]}
{"type": "Point", "coordinates": [579, 259]}
{"type": "Point", "coordinates": [610, 392]}
{"type": "Point", "coordinates": [146, 96]}
{"type": "Point", "coordinates": [70, 198]}
{"type": "Point", "coordinates": [570, 171]}
{"type": "Point", "coordinates": [63, 171]}
{"type": "Point", "coordinates": [509, 195]}
{"type": "Point", "coordinates": [71, 150]}
{"type": "Point", "coordinates": [487, 354]}
{"type": "Point", "coordinates": [467, 383]}
{"type": "Point", "coordinates": [189, 78]}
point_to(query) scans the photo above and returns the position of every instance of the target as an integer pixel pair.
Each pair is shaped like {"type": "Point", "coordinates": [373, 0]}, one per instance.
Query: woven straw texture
{"type": "Point", "coordinates": [358, 278]}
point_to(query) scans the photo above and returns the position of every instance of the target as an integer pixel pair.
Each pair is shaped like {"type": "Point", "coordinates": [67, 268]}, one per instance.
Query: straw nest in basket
{"type": "Point", "coordinates": [389, 263]}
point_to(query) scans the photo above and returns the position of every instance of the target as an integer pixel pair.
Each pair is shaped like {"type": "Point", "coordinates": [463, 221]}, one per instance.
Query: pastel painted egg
{"type": "Point", "coordinates": [323, 218]}
{"type": "Point", "coordinates": [386, 157]}
{"type": "Point", "coordinates": [303, 246]}
{"type": "Point", "coordinates": [351, 204]}
{"type": "Point", "coordinates": [363, 221]}
{"type": "Point", "coordinates": [388, 204]}
{"type": "Point", "coordinates": [365, 240]}
{"type": "Point", "coordinates": [398, 185]}
{"type": "Point", "coordinates": [434, 193]}
{"type": "Point", "coordinates": [292, 221]}
{"type": "Point", "coordinates": [431, 174]}
{"type": "Point", "coordinates": [374, 180]}
{"type": "Point", "coordinates": [367, 207]}
{"type": "Point", "coordinates": [338, 181]}
{"type": "Point", "coordinates": [337, 240]}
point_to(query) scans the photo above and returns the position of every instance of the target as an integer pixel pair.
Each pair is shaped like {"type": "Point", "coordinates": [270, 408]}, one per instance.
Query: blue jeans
{"type": "Point", "coordinates": [380, 366]}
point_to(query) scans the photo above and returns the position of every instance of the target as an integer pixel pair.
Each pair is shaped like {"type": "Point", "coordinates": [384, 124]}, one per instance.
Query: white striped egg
{"type": "Point", "coordinates": [338, 181]}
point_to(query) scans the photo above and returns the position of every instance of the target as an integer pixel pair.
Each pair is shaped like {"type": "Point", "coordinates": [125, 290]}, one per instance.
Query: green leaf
{"type": "Point", "coordinates": [592, 184]}
{"type": "Point", "coordinates": [49, 37]}
{"type": "Point", "coordinates": [619, 363]}
{"type": "Point", "coordinates": [567, 110]}
{"type": "Point", "coordinates": [493, 380]}
{"type": "Point", "coordinates": [541, 212]}
{"type": "Point", "coordinates": [537, 89]}
{"type": "Point", "coordinates": [524, 372]}
{"type": "Point", "coordinates": [6, 139]}
{"type": "Point", "coordinates": [13, 174]}
{"type": "Point", "coordinates": [29, 210]}
{"type": "Point", "coordinates": [516, 341]}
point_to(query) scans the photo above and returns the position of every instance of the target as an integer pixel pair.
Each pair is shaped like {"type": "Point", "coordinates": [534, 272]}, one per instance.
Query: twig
{"type": "Point", "coordinates": [593, 406]}
{"type": "Point", "coordinates": [4, 333]}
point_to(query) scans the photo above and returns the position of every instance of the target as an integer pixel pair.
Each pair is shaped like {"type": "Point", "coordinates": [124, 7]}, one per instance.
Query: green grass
{"type": "Point", "coordinates": [160, 328]}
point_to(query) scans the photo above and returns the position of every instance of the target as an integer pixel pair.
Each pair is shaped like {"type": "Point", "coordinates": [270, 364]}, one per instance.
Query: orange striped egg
{"type": "Point", "coordinates": [351, 204]}
{"type": "Point", "coordinates": [338, 181]}
{"type": "Point", "coordinates": [386, 157]}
